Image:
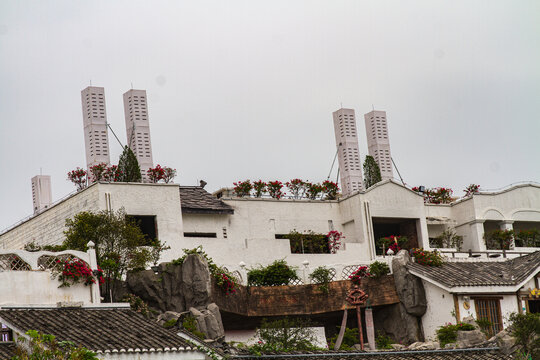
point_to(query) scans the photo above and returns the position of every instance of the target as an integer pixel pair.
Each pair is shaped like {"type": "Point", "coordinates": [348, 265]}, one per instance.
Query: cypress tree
{"type": "Point", "coordinates": [128, 166]}
{"type": "Point", "coordinates": [372, 173]}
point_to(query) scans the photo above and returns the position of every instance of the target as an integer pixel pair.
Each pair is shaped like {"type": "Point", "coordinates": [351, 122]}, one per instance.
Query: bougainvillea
{"type": "Point", "coordinates": [74, 271]}
{"type": "Point", "coordinates": [331, 189]}
{"type": "Point", "coordinates": [259, 187]}
{"type": "Point", "coordinates": [440, 195]}
{"type": "Point", "coordinates": [360, 273]}
{"type": "Point", "coordinates": [296, 187]}
{"type": "Point", "coordinates": [499, 239]}
{"type": "Point", "coordinates": [97, 171]}
{"type": "Point", "coordinates": [112, 173]}
{"type": "Point", "coordinates": [334, 241]}
{"type": "Point", "coordinates": [392, 242]}
{"type": "Point", "coordinates": [78, 177]}
{"type": "Point", "coordinates": [471, 189]}
{"type": "Point", "coordinates": [274, 189]}
{"type": "Point", "coordinates": [426, 257]}
{"type": "Point", "coordinates": [242, 188]}
{"type": "Point", "coordinates": [313, 190]}
{"type": "Point", "coordinates": [226, 282]}
{"type": "Point", "coordinates": [155, 174]}
{"type": "Point", "coordinates": [168, 174]}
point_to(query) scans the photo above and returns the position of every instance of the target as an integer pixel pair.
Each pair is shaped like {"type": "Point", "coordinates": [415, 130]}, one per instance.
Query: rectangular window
{"type": "Point", "coordinates": [200, 234]}
{"type": "Point", "coordinates": [148, 226]}
{"type": "Point", "coordinates": [490, 309]}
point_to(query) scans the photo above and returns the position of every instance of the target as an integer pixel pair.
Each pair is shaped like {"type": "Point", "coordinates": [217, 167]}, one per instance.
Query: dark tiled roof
{"type": "Point", "coordinates": [7, 350]}
{"type": "Point", "coordinates": [196, 200]}
{"type": "Point", "coordinates": [96, 329]}
{"type": "Point", "coordinates": [501, 273]}
{"type": "Point", "coordinates": [472, 354]}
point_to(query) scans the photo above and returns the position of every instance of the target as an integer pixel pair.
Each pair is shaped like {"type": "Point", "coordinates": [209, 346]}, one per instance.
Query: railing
{"type": "Point", "coordinates": [22, 260]}
{"type": "Point", "coordinates": [488, 253]}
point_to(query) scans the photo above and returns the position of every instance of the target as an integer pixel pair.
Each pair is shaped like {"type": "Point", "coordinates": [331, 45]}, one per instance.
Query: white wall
{"type": "Point", "coordinates": [440, 305]}
{"type": "Point", "coordinates": [155, 355]}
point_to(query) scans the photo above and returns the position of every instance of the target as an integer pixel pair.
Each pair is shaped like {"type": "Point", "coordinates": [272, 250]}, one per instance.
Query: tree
{"type": "Point", "coordinates": [46, 347]}
{"type": "Point", "coordinates": [118, 240]}
{"type": "Point", "coordinates": [372, 173]}
{"type": "Point", "coordinates": [128, 166]}
{"type": "Point", "coordinates": [284, 335]}
{"type": "Point", "coordinates": [525, 328]}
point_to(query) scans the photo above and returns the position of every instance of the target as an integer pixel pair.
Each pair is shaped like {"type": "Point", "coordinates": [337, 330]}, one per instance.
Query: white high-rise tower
{"type": "Point", "coordinates": [41, 192]}
{"type": "Point", "coordinates": [138, 129]}
{"type": "Point", "coordinates": [379, 142]}
{"type": "Point", "coordinates": [96, 138]}
{"type": "Point", "coordinates": [348, 155]}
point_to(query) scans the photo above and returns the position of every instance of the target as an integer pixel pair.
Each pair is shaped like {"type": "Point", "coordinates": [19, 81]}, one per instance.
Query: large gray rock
{"type": "Point", "coordinates": [146, 285]}
{"type": "Point", "coordinates": [467, 339]}
{"type": "Point", "coordinates": [209, 322]}
{"type": "Point", "coordinates": [429, 345]}
{"type": "Point", "coordinates": [398, 324]}
{"type": "Point", "coordinates": [505, 342]}
{"type": "Point", "coordinates": [199, 319]}
{"type": "Point", "coordinates": [214, 310]}
{"type": "Point", "coordinates": [409, 288]}
{"type": "Point", "coordinates": [171, 280]}
{"type": "Point", "coordinates": [196, 285]}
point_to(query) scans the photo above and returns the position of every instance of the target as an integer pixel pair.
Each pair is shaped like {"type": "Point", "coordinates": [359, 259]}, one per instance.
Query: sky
{"type": "Point", "coordinates": [246, 89]}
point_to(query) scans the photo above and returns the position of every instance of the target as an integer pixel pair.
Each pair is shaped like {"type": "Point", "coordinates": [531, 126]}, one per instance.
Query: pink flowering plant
{"type": "Point", "coordinates": [242, 188]}
{"type": "Point", "coordinates": [226, 282]}
{"type": "Point", "coordinates": [313, 190]}
{"type": "Point", "coordinates": [97, 172]}
{"type": "Point", "coordinates": [426, 257]}
{"type": "Point", "coordinates": [331, 189]}
{"type": "Point", "coordinates": [112, 174]}
{"type": "Point", "coordinates": [360, 273]}
{"type": "Point", "coordinates": [297, 188]}
{"type": "Point", "coordinates": [259, 187]}
{"type": "Point", "coordinates": [471, 189]}
{"type": "Point", "coordinates": [78, 177]}
{"type": "Point", "coordinates": [334, 241]}
{"type": "Point", "coordinates": [74, 271]}
{"type": "Point", "coordinates": [274, 189]}
{"type": "Point", "coordinates": [155, 174]}
{"type": "Point", "coordinates": [168, 174]}
{"type": "Point", "coordinates": [392, 242]}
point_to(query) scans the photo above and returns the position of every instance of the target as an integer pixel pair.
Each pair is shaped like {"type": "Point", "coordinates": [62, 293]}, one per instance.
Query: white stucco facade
{"type": "Point", "coordinates": [248, 236]}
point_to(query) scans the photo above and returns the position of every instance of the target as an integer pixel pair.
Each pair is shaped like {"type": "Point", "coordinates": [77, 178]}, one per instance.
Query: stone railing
{"type": "Point", "coordinates": [22, 260]}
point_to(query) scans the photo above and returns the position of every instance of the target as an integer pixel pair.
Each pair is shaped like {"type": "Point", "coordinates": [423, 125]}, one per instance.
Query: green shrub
{"type": "Point", "coordinates": [499, 239]}
{"type": "Point", "coordinates": [447, 334]}
{"type": "Point", "coordinates": [484, 325]}
{"type": "Point", "coordinates": [283, 335]}
{"type": "Point", "coordinates": [275, 274]}
{"type": "Point", "coordinates": [378, 269]}
{"type": "Point", "coordinates": [427, 258]}
{"type": "Point", "coordinates": [383, 341]}
{"type": "Point", "coordinates": [170, 323]}
{"type": "Point", "coordinates": [526, 330]}
{"type": "Point", "coordinates": [136, 303]}
{"type": "Point", "coordinates": [350, 337]}
{"type": "Point", "coordinates": [321, 276]}
{"type": "Point", "coordinates": [449, 239]}
{"type": "Point", "coordinates": [308, 242]}
{"type": "Point", "coordinates": [190, 324]}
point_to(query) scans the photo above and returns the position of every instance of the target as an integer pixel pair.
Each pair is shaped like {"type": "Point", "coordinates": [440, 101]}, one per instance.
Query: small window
{"type": "Point", "coordinates": [148, 226]}
{"type": "Point", "coordinates": [200, 234]}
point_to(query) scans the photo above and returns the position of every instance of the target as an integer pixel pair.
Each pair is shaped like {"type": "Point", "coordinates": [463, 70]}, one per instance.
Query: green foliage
{"type": "Point", "coordinates": [484, 325]}
{"type": "Point", "coordinates": [32, 246]}
{"type": "Point", "coordinates": [383, 341]}
{"type": "Point", "coordinates": [322, 276]}
{"type": "Point", "coordinates": [275, 274]}
{"type": "Point", "coordinates": [527, 238]}
{"type": "Point", "coordinates": [427, 258]}
{"type": "Point", "coordinates": [118, 242]}
{"type": "Point", "coordinates": [128, 167]}
{"type": "Point", "coordinates": [447, 334]}
{"type": "Point", "coordinates": [224, 279]}
{"type": "Point", "coordinates": [46, 347]}
{"type": "Point", "coordinates": [378, 269]}
{"type": "Point", "coordinates": [283, 335]}
{"type": "Point", "coordinates": [190, 324]}
{"type": "Point", "coordinates": [499, 239]}
{"type": "Point", "coordinates": [372, 173]}
{"type": "Point", "coordinates": [526, 329]}
{"type": "Point", "coordinates": [54, 248]}
{"type": "Point", "coordinates": [137, 304]}
{"type": "Point", "coordinates": [350, 337]}
{"type": "Point", "coordinates": [169, 324]}
{"type": "Point", "coordinates": [449, 239]}
{"type": "Point", "coordinates": [308, 242]}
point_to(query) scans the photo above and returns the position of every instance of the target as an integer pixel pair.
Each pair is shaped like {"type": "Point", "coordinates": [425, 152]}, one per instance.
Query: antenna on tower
{"type": "Point", "coordinates": [90, 82]}
{"type": "Point", "coordinates": [341, 104]}
{"type": "Point", "coordinates": [132, 85]}
{"type": "Point", "coordinates": [372, 107]}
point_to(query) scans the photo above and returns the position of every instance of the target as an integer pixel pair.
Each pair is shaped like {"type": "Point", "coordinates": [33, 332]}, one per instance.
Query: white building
{"type": "Point", "coordinates": [253, 231]}
{"type": "Point", "coordinates": [41, 192]}
{"type": "Point", "coordinates": [96, 138]}
{"type": "Point", "coordinates": [350, 165]}
{"type": "Point", "coordinates": [138, 129]}
{"type": "Point", "coordinates": [379, 141]}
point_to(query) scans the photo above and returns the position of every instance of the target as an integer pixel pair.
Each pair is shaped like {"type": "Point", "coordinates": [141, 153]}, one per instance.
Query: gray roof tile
{"type": "Point", "coordinates": [196, 200]}
{"type": "Point", "coordinates": [499, 273]}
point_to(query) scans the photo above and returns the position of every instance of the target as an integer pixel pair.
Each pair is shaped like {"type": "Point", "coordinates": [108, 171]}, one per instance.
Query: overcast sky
{"type": "Point", "coordinates": [246, 89]}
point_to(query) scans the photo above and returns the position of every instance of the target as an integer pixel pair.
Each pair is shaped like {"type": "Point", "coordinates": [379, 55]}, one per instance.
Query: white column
{"type": "Point", "coordinates": [96, 296]}
{"type": "Point", "coordinates": [508, 225]}
{"type": "Point", "coordinates": [477, 236]}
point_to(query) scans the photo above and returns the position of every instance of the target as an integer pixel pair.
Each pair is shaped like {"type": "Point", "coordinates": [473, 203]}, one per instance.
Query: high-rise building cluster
{"type": "Point", "coordinates": [137, 127]}
{"type": "Point", "coordinates": [378, 142]}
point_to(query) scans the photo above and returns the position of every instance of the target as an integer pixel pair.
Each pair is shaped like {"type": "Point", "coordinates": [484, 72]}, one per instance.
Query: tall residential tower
{"type": "Point", "coordinates": [379, 142]}
{"type": "Point", "coordinates": [138, 129]}
{"type": "Point", "coordinates": [96, 137]}
{"type": "Point", "coordinates": [41, 192]}
{"type": "Point", "coordinates": [350, 166]}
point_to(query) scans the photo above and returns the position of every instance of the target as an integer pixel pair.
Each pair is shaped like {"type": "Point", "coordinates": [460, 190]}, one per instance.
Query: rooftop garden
{"type": "Point", "coordinates": [295, 189]}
